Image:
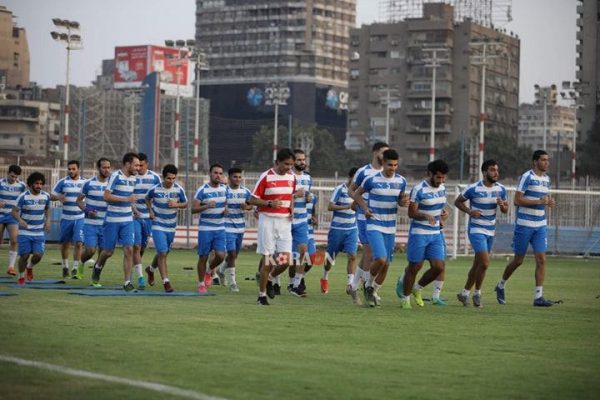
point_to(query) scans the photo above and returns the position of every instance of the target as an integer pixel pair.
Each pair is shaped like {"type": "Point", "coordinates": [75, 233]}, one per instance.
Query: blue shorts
{"type": "Point", "coordinates": [211, 240]}
{"type": "Point", "coordinates": [481, 243]}
{"type": "Point", "coordinates": [524, 235]}
{"type": "Point", "coordinates": [7, 219]}
{"type": "Point", "coordinates": [234, 241]}
{"type": "Point", "coordinates": [382, 244]}
{"type": "Point", "coordinates": [299, 235]}
{"type": "Point", "coordinates": [31, 244]}
{"type": "Point", "coordinates": [92, 235]}
{"type": "Point", "coordinates": [71, 230]}
{"type": "Point", "coordinates": [362, 231]}
{"type": "Point", "coordinates": [142, 230]}
{"type": "Point", "coordinates": [425, 247]}
{"type": "Point", "coordinates": [312, 246]}
{"type": "Point", "coordinates": [123, 232]}
{"type": "Point", "coordinates": [342, 240]}
{"type": "Point", "coordinates": [162, 240]}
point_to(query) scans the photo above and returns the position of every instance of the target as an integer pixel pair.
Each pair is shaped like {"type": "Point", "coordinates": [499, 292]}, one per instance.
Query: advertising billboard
{"type": "Point", "coordinates": [131, 66]}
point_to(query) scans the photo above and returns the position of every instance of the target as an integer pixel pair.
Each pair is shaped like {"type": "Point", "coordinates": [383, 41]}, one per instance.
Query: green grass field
{"type": "Point", "coordinates": [320, 347]}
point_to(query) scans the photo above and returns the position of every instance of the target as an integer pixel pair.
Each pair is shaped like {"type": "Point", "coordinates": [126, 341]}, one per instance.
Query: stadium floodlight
{"type": "Point", "coordinates": [169, 43]}
{"type": "Point", "coordinates": [190, 43]}
{"type": "Point", "coordinates": [180, 43]}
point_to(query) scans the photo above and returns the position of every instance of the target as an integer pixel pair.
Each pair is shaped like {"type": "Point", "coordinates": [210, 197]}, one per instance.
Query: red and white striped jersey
{"type": "Point", "coordinates": [272, 186]}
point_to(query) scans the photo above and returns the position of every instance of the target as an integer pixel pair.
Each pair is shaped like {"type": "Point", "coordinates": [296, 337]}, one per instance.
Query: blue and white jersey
{"type": "Point", "coordinates": [384, 193]}
{"type": "Point", "coordinates": [71, 189]}
{"type": "Point", "coordinates": [430, 201]}
{"type": "Point", "coordinates": [32, 208]}
{"type": "Point", "coordinates": [120, 185]}
{"type": "Point", "coordinates": [533, 187]}
{"type": "Point", "coordinates": [342, 219]}
{"type": "Point", "coordinates": [303, 181]}
{"type": "Point", "coordinates": [212, 219]}
{"type": "Point", "coordinates": [165, 217]}
{"type": "Point", "coordinates": [93, 190]}
{"type": "Point", "coordinates": [236, 199]}
{"type": "Point", "coordinates": [9, 193]}
{"type": "Point", "coordinates": [361, 174]}
{"type": "Point", "coordinates": [310, 209]}
{"type": "Point", "coordinates": [483, 199]}
{"type": "Point", "coordinates": [143, 183]}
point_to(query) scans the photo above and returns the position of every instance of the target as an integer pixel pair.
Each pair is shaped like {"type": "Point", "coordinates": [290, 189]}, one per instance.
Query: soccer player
{"type": "Point", "coordinates": [531, 199]}
{"type": "Point", "coordinates": [362, 173]}
{"type": "Point", "coordinates": [210, 201]}
{"type": "Point", "coordinates": [144, 180]}
{"type": "Point", "coordinates": [237, 203]}
{"type": "Point", "coordinates": [163, 201]}
{"type": "Point", "coordinates": [425, 239]}
{"type": "Point", "coordinates": [299, 224]}
{"type": "Point", "coordinates": [66, 191]}
{"type": "Point", "coordinates": [31, 212]}
{"type": "Point", "coordinates": [386, 191]}
{"type": "Point", "coordinates": [91, 201]}
{"type": "Point", "coordinates": [118, 224]}
{"type": "Point", "coordinates": [342, 235]}
{"type": "Point", "coordinates": [10, 188]}
{"type": "Point", "coordinates": [484, 197]}
{"type": "Point", "coordinates": [273, 195]}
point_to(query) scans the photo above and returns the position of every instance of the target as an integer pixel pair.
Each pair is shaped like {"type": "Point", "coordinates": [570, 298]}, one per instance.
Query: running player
{"type": "Point", "coordinates": [343, 234]}
{"type": "Point", "coordinates": [31, 212]}
{"type": "Point", "coordinates": [163, 201]}
{"type": "Point", "coordinates": [91, 201]}
{"type": "Point", "coordinates": [484, 197]}
{"type": "Point", "coordinates": [144, 180]}
{"type": "Point", "coordinates": [425, 240]}
{"type": "Point", "coordinates": [386, 191]}
{"type": "Point", "coordinates": [531, 199]}
{"type": "Point", "coordinates": [210, 201]}
{"type": "Point", "coordinates": [10, 188]}
{"type": "Point", "coordinates": [66, 191]}
{"type": "Point", "coordinates": [118, 224]}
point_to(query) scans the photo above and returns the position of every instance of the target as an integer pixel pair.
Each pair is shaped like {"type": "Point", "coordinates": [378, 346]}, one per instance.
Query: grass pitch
{"type": "Point", "coordinates": [320, 347]}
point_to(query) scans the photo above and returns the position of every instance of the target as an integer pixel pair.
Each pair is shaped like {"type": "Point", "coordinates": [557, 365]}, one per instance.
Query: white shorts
{"type": "Point", "coordinates": [274, 235]}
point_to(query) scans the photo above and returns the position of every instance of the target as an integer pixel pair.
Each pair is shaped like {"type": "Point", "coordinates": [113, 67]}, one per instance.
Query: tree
{"type": "Point", "coordinates": [589, 160]}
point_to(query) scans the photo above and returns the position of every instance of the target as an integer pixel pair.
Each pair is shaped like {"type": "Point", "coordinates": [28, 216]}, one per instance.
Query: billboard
{"type": "Point", "coordinates": [134, 63]}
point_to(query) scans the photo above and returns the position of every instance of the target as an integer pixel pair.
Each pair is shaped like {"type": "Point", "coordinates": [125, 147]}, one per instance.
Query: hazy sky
{"type": "Point", "coordinates": [546, 28]}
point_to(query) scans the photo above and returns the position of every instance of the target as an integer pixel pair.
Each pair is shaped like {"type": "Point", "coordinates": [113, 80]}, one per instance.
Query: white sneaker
{"type": "Point", "coordinates": [234, 287]}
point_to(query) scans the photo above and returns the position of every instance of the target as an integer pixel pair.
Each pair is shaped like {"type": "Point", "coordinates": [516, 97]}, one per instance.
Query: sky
{"type": "Point", "coordinates": [546, 29]}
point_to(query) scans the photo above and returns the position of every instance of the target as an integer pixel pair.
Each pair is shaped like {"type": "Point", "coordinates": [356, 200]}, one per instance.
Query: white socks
{"type": "Point", "coordinates": [231, 272]}
{"type": "Point", "coordinates": [357, 276]}
{"type": "Point", "coordinates": [65, 263]}
{"type": "Point", "coordinates": [12, 258]}
{"type": "Point", "coordinates": [501, 284]}
{"type": "Point", "coordinates": [350, 278]}
{"type": "Point", "coordinates": [437, 289]}
{"type": "Point", "coordinates": [539, 291]}
{"type": "Point", "coordinates": [138, 270]}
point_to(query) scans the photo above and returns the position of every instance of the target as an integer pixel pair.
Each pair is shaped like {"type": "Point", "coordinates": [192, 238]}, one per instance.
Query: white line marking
{"type": "Point", "coordinates": [157, 387]}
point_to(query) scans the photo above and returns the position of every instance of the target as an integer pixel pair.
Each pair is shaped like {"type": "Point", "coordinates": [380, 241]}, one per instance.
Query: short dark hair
{"type": "Point", "coordinates": [169, 169]}
{"type": "Point", "coordinates": [285, 154]}
{"type": "Point", "coordinates": [142, 157]}
{"type": "Point", "coordinates": [390, 154]}
{"type": "Point", "coordinates": [488, 163]}
{"type": "Point", "coordinates": [379, 145]}
{"type": "Point", "coordinates": [34, 177]}
{"type": "Point", "coordinates": [15, 169]}
{"type": "Point", "coordinates": [71, 162]}
{"type": "Point", "coordinates": [100, 161]}
{"type": "Point", "coordinates": [127, 158]}
{"type": "Point", "coordinates": [234, 170]}
{"type": "Point", "coordinates": [299, 151]}
{"type": "Point", "coordinates": [215, 165]}
{"type": "Point", "coordinates": [352, 172]}
{"type": "Point", "coordinates": [437, 166]}
{"type": "Point", "coordinates": [537, 154]}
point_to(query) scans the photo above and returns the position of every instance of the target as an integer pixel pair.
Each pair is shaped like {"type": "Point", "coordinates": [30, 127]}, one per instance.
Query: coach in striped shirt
{"type": "Point", "coordinates": [273, 195]}
{"type": "Point", "coordinates": [484, 197]}
{"type": "Point", "coordinates": [31, 212]}
{"type": "Point", "coordinates": [118, 224]}
{"type": "Point", "coordinates": [10, 188]}
{"type": "Point", "coordinates": [163, 201]}
{"type": "Point", "coordinates": [91, 201]}
{"type": "Point", "coordinates": [66, 191]}
{"type": "Point", "coordinates": [531, 198]}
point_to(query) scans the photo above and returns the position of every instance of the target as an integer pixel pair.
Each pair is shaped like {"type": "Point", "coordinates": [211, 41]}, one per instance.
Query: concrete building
{"type": "Point", "coordinates": [302, 45]}
{"type": "Point", "coordinates": [560, 122]}
{"type": "Point", "coordinates": [588, 65]}
{"type": "Point", "coordinates": [398, 57]}
{"type": "Point", "coordinates": [14, 52]}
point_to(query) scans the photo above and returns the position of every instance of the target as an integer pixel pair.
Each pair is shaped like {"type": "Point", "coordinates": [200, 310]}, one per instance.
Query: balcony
{"type": "Point", "coordinates": [416, 129]}
{"type": "Point", "coordinates": [426, 93]}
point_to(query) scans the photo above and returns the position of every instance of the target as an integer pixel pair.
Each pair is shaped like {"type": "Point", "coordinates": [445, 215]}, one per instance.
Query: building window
{"type": "Point", "coordinates": [16, 60]}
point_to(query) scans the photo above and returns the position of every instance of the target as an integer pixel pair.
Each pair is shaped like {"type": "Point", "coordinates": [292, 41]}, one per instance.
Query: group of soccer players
{"type": "Point", "coordinates": [129, 205]}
